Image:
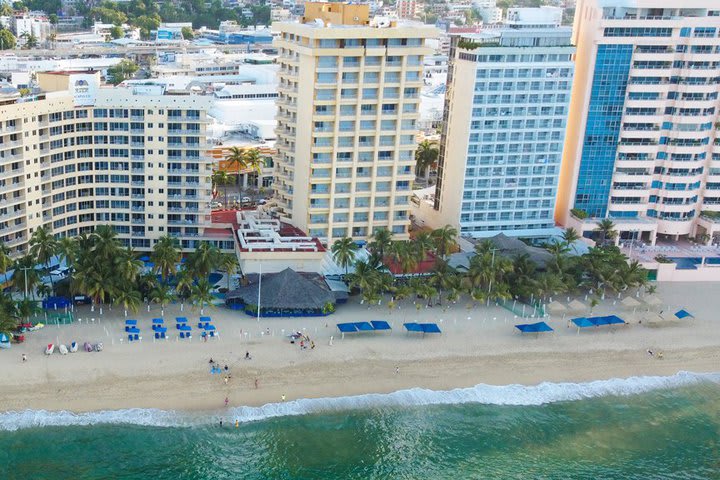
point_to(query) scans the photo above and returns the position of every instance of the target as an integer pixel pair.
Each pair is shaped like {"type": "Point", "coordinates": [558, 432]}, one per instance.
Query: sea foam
{"type": "Point", "coordinates": [517, 395]}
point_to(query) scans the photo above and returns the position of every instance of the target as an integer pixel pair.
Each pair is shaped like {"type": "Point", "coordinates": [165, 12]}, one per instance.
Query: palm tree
{"type": "Point", "coordinates": [381, 240]}
{"type": "Point", "coordinates": [67, 249]}
{"type": "Point", "coordinates": [423, 243]}
{"type": "Point", "coordinates": [26, 278]}
{"type": "Point", "coordinates": [162, 295]}
{"type": "Point", "coordinates": [549, 284]}
{"type": "Point", "coordinates": [443, 277]}
{"type": "Point", "coordinates": [44, 291]}
{"type": "Point", "coordinates": [570, 236]}
{"type": "Point", "coordinates": [229, 263]}
{"type": "Point", "coordinates": [165, 255]}
{"type": "Point", "coordinates": [8, 315]}
{"type": "Point", "coordinates": [522, 277]}
{"type": "Point", "coordinates": [343, 252]}
{"type": "Point", "coordinates": [606, 228]}
{"type": "Point", "coordinates": [220, 178]}
{"type": "Point", "coordinates": [106, 244]}
{"type": "Point", "coordinates": [254, 161]}
{"type": "Point", "coordinates": [365, 276]}
{"type": "Point", "coordinates": [128, 265]}
{"type": "Point", "coordinates": [185, 281]}
{"type": "Point", "coordinates": [203, 260]}
{"type": "Point", "coordinates": [201, 294]}
{"type": "Point", "coordinates": [5, 261]}
{"type": "Point", "coordinates": [425, 156]}
{"type": "Point", "coordinates": [444, 239]}
{"type": "Point", "coordinates": [44, 246]}
{"type": "Point", "coordinates": [25, 309]}
{"type": "Point", "coordinates": [236, 158]}
{"type": "Point", "coordinates": [403, 255]}
{"type": "Point", "coordinates": [128, 298]}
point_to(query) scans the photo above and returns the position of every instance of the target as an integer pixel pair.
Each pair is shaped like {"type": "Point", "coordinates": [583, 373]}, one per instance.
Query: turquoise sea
{"type": "Point", "coordinates": [637, 428]}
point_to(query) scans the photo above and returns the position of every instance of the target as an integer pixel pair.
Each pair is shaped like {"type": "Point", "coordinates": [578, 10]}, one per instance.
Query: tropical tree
{"type": "Point", "coordinates": [67, 249]}
{"type": "Point", "coordinates": [25, 277]}
{"type": "Point", "coordinates": [128, 298]}
{"type": "Point", "coordinates": [229, 264]}
{"type": "Point", "coordinates": [162, 295]}
{"type": "Point", "coordinates": [343, 252]}
{"type": "Point", "coordinates": [203, 260]}
{"type": "Point", "coordinates": [403, 255]}
{"type": "Point", "coordinates": [254, 161]}
{"type": "Point", "coordinates": [423, 243]}
{"type": "Point", "coordinates": [235, 158]}
{"type": "Point", "coordinates": [105, 243]}
{"type": "Point", "coordinates": [443, 278]}
{"type": "Point", "coordinates": [365, 276]}
{"type": "Point", "coordinates": [128, 265]}
{"type": "Point", "coordinates": [425, 156]}
{"type": "Point", "coordinates": [444, 239]}
{"type": "Point", "coordinates": [201, 294]}
{"type": "Point", "coordinates": [165, 255]}
{"type": "Point", "coordinates": [381, 240]}
{"type": "Point", "coordinates": [606, 229]}
{"type": "Point", "coordinates": [522, 278]}
{"type": "Point", "coordinates": [44, 246]}
{"type": "Point", "coordinates": [8, 315]}
{"type": "Point", "coordinates": [26, 308]}
{"type": "Point", "coordinates": [221, 179]}
{"type": "Point", "coordinates": [570, 236]}
{"type": "Point", "coordinates": [5, 261]}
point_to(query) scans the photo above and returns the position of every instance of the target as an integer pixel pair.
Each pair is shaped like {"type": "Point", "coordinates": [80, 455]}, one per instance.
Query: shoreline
{"type": "Point", "coordinates": [154, 393]}
{"type": "Point", "coordinates": [478, 346]}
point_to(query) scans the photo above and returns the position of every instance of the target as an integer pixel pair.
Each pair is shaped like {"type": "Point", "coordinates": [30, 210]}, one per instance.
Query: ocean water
{"type": "Point", "coordinates": [637, 428]}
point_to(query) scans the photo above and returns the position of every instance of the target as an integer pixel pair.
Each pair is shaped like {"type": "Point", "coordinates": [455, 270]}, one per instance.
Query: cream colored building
{"type": "Point", "coordinates": [642, 147]}
{"type": "Point", "coordinates": [75, 159]}
{"type": "Point", "coordinates": [347, 119]}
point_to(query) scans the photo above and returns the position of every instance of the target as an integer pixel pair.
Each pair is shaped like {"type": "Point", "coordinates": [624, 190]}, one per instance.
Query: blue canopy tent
{"type": "Point", "coordinates": [422, 327]}
{"type": "Point", "coordinates": [364, 326]}
{"type": "Point", "coordinates": [583, 322]}
{"type": "Point", "coordinates": [347, 328]}
{"type": "Point", "coordinates": [210, 330]}
{"type": "Point", "coordinates": [129, 324]}
{"type": "Point", "coordinates": [539, 327]}
{"type": "Point", "coordinates": [4, 341]}
{"type": "Point", "coordinates": [380, 325]}
{"type": "Point", "coordinates": [55, 302]}
{"type": "Point", "coordinates": [160, 332]}
{"type": "Point", "coordinates": [680, 314]}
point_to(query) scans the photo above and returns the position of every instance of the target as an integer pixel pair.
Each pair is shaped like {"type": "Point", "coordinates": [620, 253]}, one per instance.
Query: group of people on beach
{"type": "Point", "coordinates": [305, 341]}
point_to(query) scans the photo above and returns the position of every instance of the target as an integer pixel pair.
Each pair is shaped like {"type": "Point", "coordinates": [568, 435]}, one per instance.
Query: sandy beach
{"type": "Point", "coordinates": [478, 345]}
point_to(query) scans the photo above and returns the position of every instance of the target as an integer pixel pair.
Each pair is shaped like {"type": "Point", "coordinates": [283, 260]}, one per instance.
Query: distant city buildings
{"type": "Point", "coordinates": [642, 146]}
{"type": "Point", "coordinates": [503, 130]}
{"type": "Point", "coordinates": [347, 119]}
{"type": "Point", "coordinates": [406, 8]}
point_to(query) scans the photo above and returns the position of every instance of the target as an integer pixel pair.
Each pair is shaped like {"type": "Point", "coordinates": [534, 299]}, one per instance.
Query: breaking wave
{"type": "Point", "coordinates": [517, 395]}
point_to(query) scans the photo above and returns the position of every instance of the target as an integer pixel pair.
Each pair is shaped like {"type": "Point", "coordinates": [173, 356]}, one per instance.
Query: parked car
{"type": "Point", "coordinates": [215, 205]}
{"type": "Point", "coordinates": [246, 200]}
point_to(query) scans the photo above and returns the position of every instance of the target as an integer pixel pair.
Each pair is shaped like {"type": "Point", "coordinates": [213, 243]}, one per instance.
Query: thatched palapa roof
{"type": "Point", "coordinates": [286, 290]}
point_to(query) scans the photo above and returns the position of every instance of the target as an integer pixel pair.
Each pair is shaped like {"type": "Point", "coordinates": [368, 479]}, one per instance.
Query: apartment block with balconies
{"type": "Point", "coordinates": [348, 107]}
{"type": "Point", "coordinates": [642, 146]}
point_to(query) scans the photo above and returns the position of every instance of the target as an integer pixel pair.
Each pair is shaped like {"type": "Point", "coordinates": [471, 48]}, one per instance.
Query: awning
{"type": "Point", "coordinates": [538, 327]}
{"type": "Point", "coordinates": [380, 325]}
{"type": "Point", "coordinates": [680, 314]}
{"type": "Point", "coordinates": [583, 322]}
{"type": "Point", "coordinates": [422, 327]}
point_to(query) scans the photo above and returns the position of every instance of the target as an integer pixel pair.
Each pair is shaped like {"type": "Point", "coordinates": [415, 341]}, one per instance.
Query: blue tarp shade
{"type": "Point", "coordinates": [583, 322]}
{"type": "Point", "coordinates": [380, 325]}
{"type": "Point", "coordinates": [205, 319]}
{"type": "Point", "coordinates": [145, 258]}
{"type": "Point", "coordinates": [430, 328]}
{"type": "Point", "coordinates": [209, 327]}
{"type": "Point", "coordinates": [133, 330]}
{"type": "Point", "coordinates": [364, 326]}
{"type": "Point", "coordinates": [683, 314]}
{"type": "Point", "coordinates": [538, 327]}
{"type": "Point", "coordinates": [413, 327]}
{"type": "Point", "coordinates": [158, 320]}
{"type": "Point", "coordinates": [55, 302]}
{"type": "Point", "coordinates": [185, 328]}
{"type": "Point", "coordinates": [347, 327]}
{"type": "Point", "coordinates": [181, 319]}
{"type": "Point", "coordinates": [161, 329]}
{"type": "Point", "coordinates": [130, 322]}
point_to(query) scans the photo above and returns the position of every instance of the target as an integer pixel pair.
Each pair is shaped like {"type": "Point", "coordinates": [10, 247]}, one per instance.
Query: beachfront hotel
{"type": "Point", "coordinates": [642, 146]}
{"type": "Point", "coordinates": [348, 107]}
{"type": "Point", "coordinates": [77, 155]}
{"type": "Point", "coordinates": [504, 126]}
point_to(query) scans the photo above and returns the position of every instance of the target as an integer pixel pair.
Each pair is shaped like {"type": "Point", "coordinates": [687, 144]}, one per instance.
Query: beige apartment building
{"type": "Point", "coordinates": [348, 108]}
{"type": "Point", "coordinates": [85, 156]}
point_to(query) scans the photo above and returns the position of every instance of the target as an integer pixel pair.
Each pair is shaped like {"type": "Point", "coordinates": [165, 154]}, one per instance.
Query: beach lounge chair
{"type": "Point", "coordinates": [88, 347]}
{"type": "Point", "coordinates": [50, 349]}
{"type": "Point", "coordinates": [73, 347]}
{"type": "Point", "coordinates": [63, 350]}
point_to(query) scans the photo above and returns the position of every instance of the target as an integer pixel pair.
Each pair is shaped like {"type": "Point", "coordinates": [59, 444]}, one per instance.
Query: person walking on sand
{"type": "Point", "coordinates": [397, 369]}
{"type": "Point", "coordinates": [24, 358]}
{"type": "Point", "coordinates": [283, 397]}
{"type": "Point", "coordinates": [226, 401]}
{"type": "Point", "coordinates": [256, 384]}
